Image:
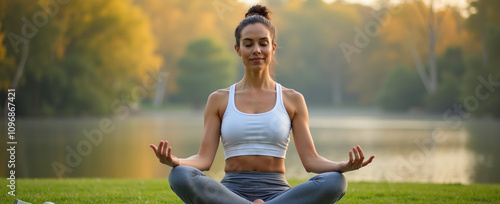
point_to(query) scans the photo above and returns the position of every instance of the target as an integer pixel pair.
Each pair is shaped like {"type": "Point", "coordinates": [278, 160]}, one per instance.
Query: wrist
{"type": "Point", "coordinates": [342, 167]}
{"type": "Point", "coordinates": [177, 164]}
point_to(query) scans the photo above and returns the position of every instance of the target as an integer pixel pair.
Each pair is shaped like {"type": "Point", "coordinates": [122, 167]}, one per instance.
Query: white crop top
{"type": "Point", "coordinates": [255, 134]}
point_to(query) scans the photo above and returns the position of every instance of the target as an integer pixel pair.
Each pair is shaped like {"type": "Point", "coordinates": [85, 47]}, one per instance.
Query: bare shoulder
{"type": "Point", "coordinates": [217, 102]}
{"type": "Point", "coordinates": [292, 96]}
{"type": "Point", "coordinates": [294, 102]}
{"type": "Point", "coordinates": [219, 95]}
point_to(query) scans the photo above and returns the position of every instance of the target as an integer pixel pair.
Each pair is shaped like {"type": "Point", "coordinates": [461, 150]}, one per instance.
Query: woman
{"type": "Point", "coordinates": [253, 119]}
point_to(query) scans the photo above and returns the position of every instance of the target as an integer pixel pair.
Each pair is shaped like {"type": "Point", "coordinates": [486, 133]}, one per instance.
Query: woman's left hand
{"type": "Point", "coordinates": [356, 160]}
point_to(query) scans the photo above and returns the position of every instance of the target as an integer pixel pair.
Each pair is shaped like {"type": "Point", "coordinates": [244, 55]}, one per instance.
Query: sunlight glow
{"type": "Point", "coordinates": [457, 3]}
{"type": "Point", "coordinates": [250, 2]}
{"type": "Point", "coordinates": [462, 5]}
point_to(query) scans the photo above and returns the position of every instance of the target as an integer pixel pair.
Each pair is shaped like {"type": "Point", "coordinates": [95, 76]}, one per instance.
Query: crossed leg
{"type": "Point", "coordinates": [193, 187]}
{"type": "Point", "coordinates": [325, 188]}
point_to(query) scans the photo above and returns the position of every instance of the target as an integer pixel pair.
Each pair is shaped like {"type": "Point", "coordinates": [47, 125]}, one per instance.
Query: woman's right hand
{"type": "Point", "coordinates": [164, 154]}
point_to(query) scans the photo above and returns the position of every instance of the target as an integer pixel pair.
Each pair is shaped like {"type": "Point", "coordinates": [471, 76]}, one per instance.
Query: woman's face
{"type": "Point", "coordinates": [256, 48]}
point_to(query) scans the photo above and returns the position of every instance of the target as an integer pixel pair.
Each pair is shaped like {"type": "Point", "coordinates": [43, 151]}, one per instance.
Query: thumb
{"type": "Point", "coordinates": [368, 161]}
{"type": "Point", "coordinates": [153, 147]}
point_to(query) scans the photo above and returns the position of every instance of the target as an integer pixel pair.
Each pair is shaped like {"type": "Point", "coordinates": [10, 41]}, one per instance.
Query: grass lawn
{"type": "Point", "coordinates": [157, 191]}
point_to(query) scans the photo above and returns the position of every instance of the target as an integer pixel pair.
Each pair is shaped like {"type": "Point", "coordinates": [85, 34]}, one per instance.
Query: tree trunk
{"type": "Point", "coordinates": [20, 69]}
{"type": "Point", "coordinates": [482, 16]}
{"type": "Point", "coordinates": [432, 50]}
{"type": "Point", "coordinates": [420, 66]}
{"type": "Point", "coordinates": [430, 81]}
{"type": "Point", "coordinates": [160, 90]}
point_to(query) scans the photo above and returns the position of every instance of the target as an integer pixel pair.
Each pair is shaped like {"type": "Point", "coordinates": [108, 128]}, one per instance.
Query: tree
{"type": "Point", "coordinates": [451, 72]}
{"type": "Point", "coordinates": [7, 64]}
{"type": "Point", "coordinates": [433, 26]}
{"type": "Point", "coordinates": [401, 91]}
{"type": "Point", "coordinates": [175, 23]}
{"type": "Point", "coordinates": [205, 67]}
{"type": "Point", "coordinates": [482, 78]}
{"type": "Point", "coordinates": [309, 34]}
{"type": "Point", "coordinates": [483, 23]}
{"type": "Point", "coordinates": [399, 25]}
{"type": "Point", "coordinates": [83, 57]}
{"type": "Point", "coordinates": [480, 90]}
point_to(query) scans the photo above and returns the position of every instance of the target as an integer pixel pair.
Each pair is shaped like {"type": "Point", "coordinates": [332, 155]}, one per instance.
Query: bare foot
{"type": "Point", "coordinates": [257, 201]}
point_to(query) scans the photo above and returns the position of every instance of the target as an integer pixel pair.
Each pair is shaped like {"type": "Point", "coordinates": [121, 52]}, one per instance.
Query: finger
{"type": "Point", "coordinates": [356, 155]}
{"type": "Point", "coordinates": [164, 151]}
{"type": "Point", "coordinates": [361, 155]}
{"type": "Point", "coordinates": [169, 153]}
{"type": "Point", "coordinates": [368, 161]}
{"type": "Point", "coordinates": [350, 158]}
{"type": "Point", "coordinates": [357, 159]}
{"type": "Point", "coordinates": [153, 147]}
{"type": "Point", "coordinates": [160, 149]}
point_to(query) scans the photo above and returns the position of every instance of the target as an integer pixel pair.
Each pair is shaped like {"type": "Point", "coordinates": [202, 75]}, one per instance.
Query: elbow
{"type": "Point", "coordinates": [311, 164]}
{"type": "Point", "coordinates": [310, 168]}
{"type": "Point", "coordinates": [205, 168]}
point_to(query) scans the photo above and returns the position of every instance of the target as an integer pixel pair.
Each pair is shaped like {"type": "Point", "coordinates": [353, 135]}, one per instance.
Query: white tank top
{"type": "Point", "coordinates": [255, 134]}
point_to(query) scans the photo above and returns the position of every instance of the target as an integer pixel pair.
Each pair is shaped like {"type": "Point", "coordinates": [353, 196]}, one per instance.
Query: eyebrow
{"type": "Point", "coordinates": [264, 38]}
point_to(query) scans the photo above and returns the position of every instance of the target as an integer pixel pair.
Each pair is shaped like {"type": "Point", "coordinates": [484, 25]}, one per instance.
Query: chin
{"type": "Point", "coordinates": [258, 67]}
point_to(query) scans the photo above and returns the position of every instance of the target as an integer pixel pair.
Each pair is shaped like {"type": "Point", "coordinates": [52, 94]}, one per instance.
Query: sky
{"type": "Point", "coordinates": [462, 4]}
{"type": "Point", "coordinates": [459, 3]}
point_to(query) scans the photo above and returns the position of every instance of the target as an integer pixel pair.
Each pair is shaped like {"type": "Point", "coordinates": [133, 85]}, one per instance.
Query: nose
{"type": "Point", "coordinates": [256, 49]}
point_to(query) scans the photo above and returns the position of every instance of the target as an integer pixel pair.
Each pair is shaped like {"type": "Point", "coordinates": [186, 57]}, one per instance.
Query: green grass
{"type": "Point", "coordinates": [157, 191]}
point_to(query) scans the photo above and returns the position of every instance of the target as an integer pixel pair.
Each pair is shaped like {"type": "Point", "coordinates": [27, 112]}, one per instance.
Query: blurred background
{"type": "Point", "coordinates": [417, 83]}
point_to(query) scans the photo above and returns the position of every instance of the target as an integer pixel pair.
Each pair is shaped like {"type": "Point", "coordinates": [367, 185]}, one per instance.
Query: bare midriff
{"type": "Point", "coordinates": [255, 163]}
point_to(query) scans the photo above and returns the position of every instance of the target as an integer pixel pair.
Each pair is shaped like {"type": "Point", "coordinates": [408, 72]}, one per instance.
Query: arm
{"type": "Point", "coordinates": [209, 144]}
{"type": "Point", "coordinates": [304, 144]}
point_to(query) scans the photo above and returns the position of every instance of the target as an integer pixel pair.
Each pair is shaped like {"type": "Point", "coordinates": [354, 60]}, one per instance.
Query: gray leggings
{"type": "Point", "coordinates": [192, 186]}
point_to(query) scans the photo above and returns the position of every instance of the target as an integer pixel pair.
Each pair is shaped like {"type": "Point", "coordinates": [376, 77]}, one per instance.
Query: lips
{"type": "Point", "coordinates": [257, 59]}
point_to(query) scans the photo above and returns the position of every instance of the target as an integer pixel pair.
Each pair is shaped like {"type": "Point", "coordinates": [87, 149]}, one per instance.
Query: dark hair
{"type": "Point", "coordinates": [256, 14]}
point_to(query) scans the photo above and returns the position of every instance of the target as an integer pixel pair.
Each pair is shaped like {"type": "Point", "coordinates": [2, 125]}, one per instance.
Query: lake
{"type": "Point", "coordinates": [408, 148]}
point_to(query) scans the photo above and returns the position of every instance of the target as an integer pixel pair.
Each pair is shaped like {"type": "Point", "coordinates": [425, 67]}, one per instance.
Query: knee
{"type": "Point", "coordinates": [180, 177]}
{"type": "Point", "coordinates": [334, 183]}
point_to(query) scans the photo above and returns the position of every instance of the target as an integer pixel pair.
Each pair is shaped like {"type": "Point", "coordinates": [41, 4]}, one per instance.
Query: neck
{"type": "Point", "coordinates": [257, 80]}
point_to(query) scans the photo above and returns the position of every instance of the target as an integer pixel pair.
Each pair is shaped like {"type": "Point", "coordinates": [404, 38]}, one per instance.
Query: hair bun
{"type": "Point", "coordinates": [259, 10]}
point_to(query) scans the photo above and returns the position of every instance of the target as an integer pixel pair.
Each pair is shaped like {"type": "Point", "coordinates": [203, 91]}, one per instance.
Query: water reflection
{"type": "Point", "coordinates": [406, 149]}
{"type": "Point", "coordinates": [484, 141]}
